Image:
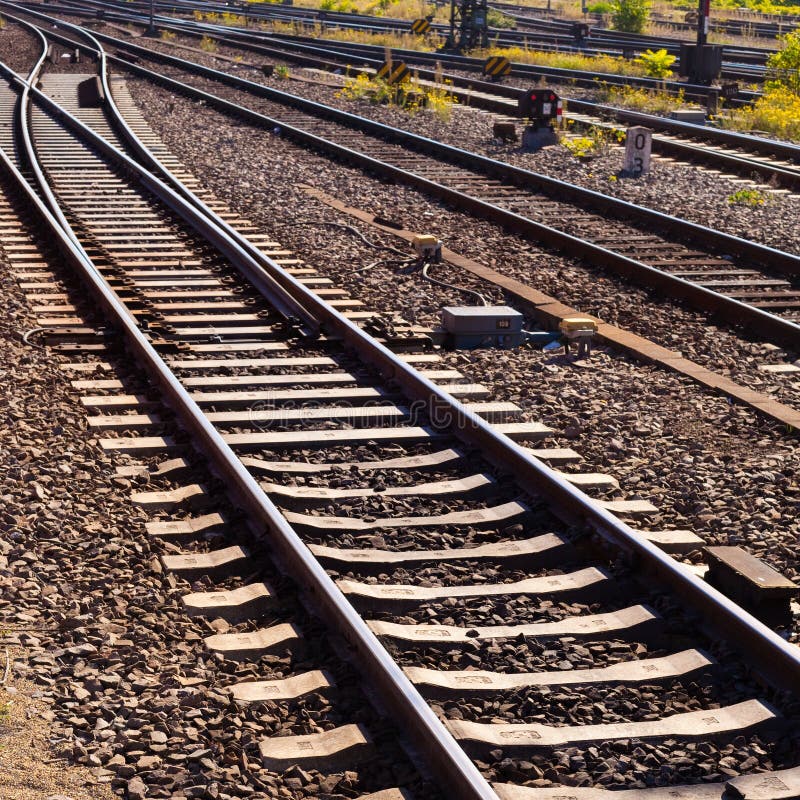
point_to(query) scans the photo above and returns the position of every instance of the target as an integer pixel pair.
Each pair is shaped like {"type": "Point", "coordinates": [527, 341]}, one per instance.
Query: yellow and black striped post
{"type": "Point", "coordinates": [392, 73]}
{"type": "Point", "coordinates": [420, 26]}
{"type": "Point", "coordinates": [497, 67]}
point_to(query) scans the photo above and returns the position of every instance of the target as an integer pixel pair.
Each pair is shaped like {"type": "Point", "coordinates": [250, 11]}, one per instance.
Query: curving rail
{"type": "Point", "coordinates": [756, 319]}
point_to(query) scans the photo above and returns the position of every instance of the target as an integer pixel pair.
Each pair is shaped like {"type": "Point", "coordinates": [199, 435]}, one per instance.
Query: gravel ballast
{"type": "Point", "coordinates": [710, 466]}
{"type": "Point", "coordinates": [109, 594]}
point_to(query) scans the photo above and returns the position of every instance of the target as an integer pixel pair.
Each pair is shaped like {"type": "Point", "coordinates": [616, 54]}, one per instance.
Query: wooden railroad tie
{"type": "Point", "coordinates": [762, 590]}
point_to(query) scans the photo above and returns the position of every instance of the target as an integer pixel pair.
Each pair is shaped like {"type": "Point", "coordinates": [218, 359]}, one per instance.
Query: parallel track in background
{"type": "Point", "coordinates": [683, 261]}
{"type": "Point", "coordinates": [777, 163]}
{"type": "Point", "coordinates": [550, 34]}
{"type": "Point", "coordinates": [746, 73]}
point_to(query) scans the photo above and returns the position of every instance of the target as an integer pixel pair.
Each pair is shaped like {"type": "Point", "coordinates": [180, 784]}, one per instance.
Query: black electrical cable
{"type": "Point", "coordinates": [26, 336]}
{"type": "Point", "coordinates": [427, 265]}
{"type": "Point", "coordinates": [383, 261]}
{"type": "Point", "coordinates": [349, 229]}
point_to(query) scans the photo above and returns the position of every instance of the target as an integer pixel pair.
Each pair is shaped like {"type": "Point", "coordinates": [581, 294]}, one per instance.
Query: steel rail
{"type": "Point", "coordinates": [453, 768]}
{"type": "Point", "coordinates": [349, 21]}
{"type": "Point", "coordinates": [613, 40]}
{"type": "Point", "coordinates": [22, 118]}
{"type": "Point", "coordinates": [685, 150]}
{"type": "Point", "coordinates": [541, 34]}
{"type": "Point", "coordinates": [466, 63]}
{"type": "Point", "coordinates": [757, 144]}
{"type": "Point", "coordinates": [561, 31]}
{"type": "Point", "coordinates": [534, 71]}
{"type": "Point", "coordinates": [350, 50]}
{"type": "Point", "coordinates": [739, 70]}
{"type": "Point", "coordinates": [787, 22]}
{"type": "Point", "coordinates": [777, 659]}
{"type": "Point", "coordinates": [735, 312]}
{"type": "Point", "coordinates": [778, 260]}
{"type": "Point", "coordinates": [521, 71]}
{"type": "Point", "coordinates": [267, 284]}
{"type": "Point", "coordinates": [246, 40]}
{"type": "Point", "coordinates": [472, 64]}
{"type": "Point", "coordinates": [739, 163]}
{"type": "Point", "coordinates": [258, 270]}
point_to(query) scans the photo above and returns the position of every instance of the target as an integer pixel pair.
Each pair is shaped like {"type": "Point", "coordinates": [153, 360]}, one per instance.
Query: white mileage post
{"type": "Point", "coordinates": [638, 143]}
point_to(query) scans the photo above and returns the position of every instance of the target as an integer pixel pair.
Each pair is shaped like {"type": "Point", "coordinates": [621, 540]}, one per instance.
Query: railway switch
{"type": "Point", "coordinates": [580, 330]}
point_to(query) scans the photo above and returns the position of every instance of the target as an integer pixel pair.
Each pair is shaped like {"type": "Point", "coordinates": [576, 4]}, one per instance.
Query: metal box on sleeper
{"type": "Point", "coordinates": [483, 326]}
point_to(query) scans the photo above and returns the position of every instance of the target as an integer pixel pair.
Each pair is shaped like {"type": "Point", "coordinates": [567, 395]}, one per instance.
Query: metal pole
{"type": "Point", "coordinates": [151, 30]}
{"type": "Point", "coordinates": [703, 12]}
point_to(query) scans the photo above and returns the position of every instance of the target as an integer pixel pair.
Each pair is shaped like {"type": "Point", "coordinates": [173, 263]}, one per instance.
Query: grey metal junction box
{"type": "Point", "coordinates": [482, 326]}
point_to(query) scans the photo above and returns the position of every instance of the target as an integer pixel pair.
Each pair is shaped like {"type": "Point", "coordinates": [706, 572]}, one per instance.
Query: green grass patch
{"type": "Point", "coordinates": [596, 64]}
{"type": "Point", "coordinates": [776, 113]}
{"type": "Point", "coordinates": [650, 101]}
{"type": "Point", "coordinates": [411, 95]}
{"type": "Point", "coordinates": [747, 197]}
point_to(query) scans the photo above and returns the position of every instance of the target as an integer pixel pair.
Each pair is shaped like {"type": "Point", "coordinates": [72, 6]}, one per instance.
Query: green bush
{"type": "Point", "coordinates": [603, 7]}
{"type": "Point", "coordinates": [630, 15]}
{"type": "Point", "coordinates": [497, 19]}
{"type": "Point", "coordinates": [783, 67]}
{"type": "Point", "coordinates": [657, 63]}
{"type": "Point", "coordinates": [747, 197]}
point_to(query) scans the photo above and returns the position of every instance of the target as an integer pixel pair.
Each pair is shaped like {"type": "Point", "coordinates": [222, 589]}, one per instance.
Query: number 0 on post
{"type": "Point", "coordinates": [638, 143]}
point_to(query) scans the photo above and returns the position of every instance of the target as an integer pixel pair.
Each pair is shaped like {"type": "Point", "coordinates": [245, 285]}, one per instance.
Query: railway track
{"type": "Point", "coordinates": [140, 255]}
{"type": "Point", "coordinates": [438, 528]}
{"type": "Point", "coordinates": [742, 62]}
{"type": "Point", "coordinates": [619, 41]}
{"type": "Point", "coordinates": [734, 153]}
{"type": "Point", "coordinates": [455, 62]}
{"type": "Point", "coordinates": [775, 162]}
{"type": "Point", "coordinates": [727, 276]}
